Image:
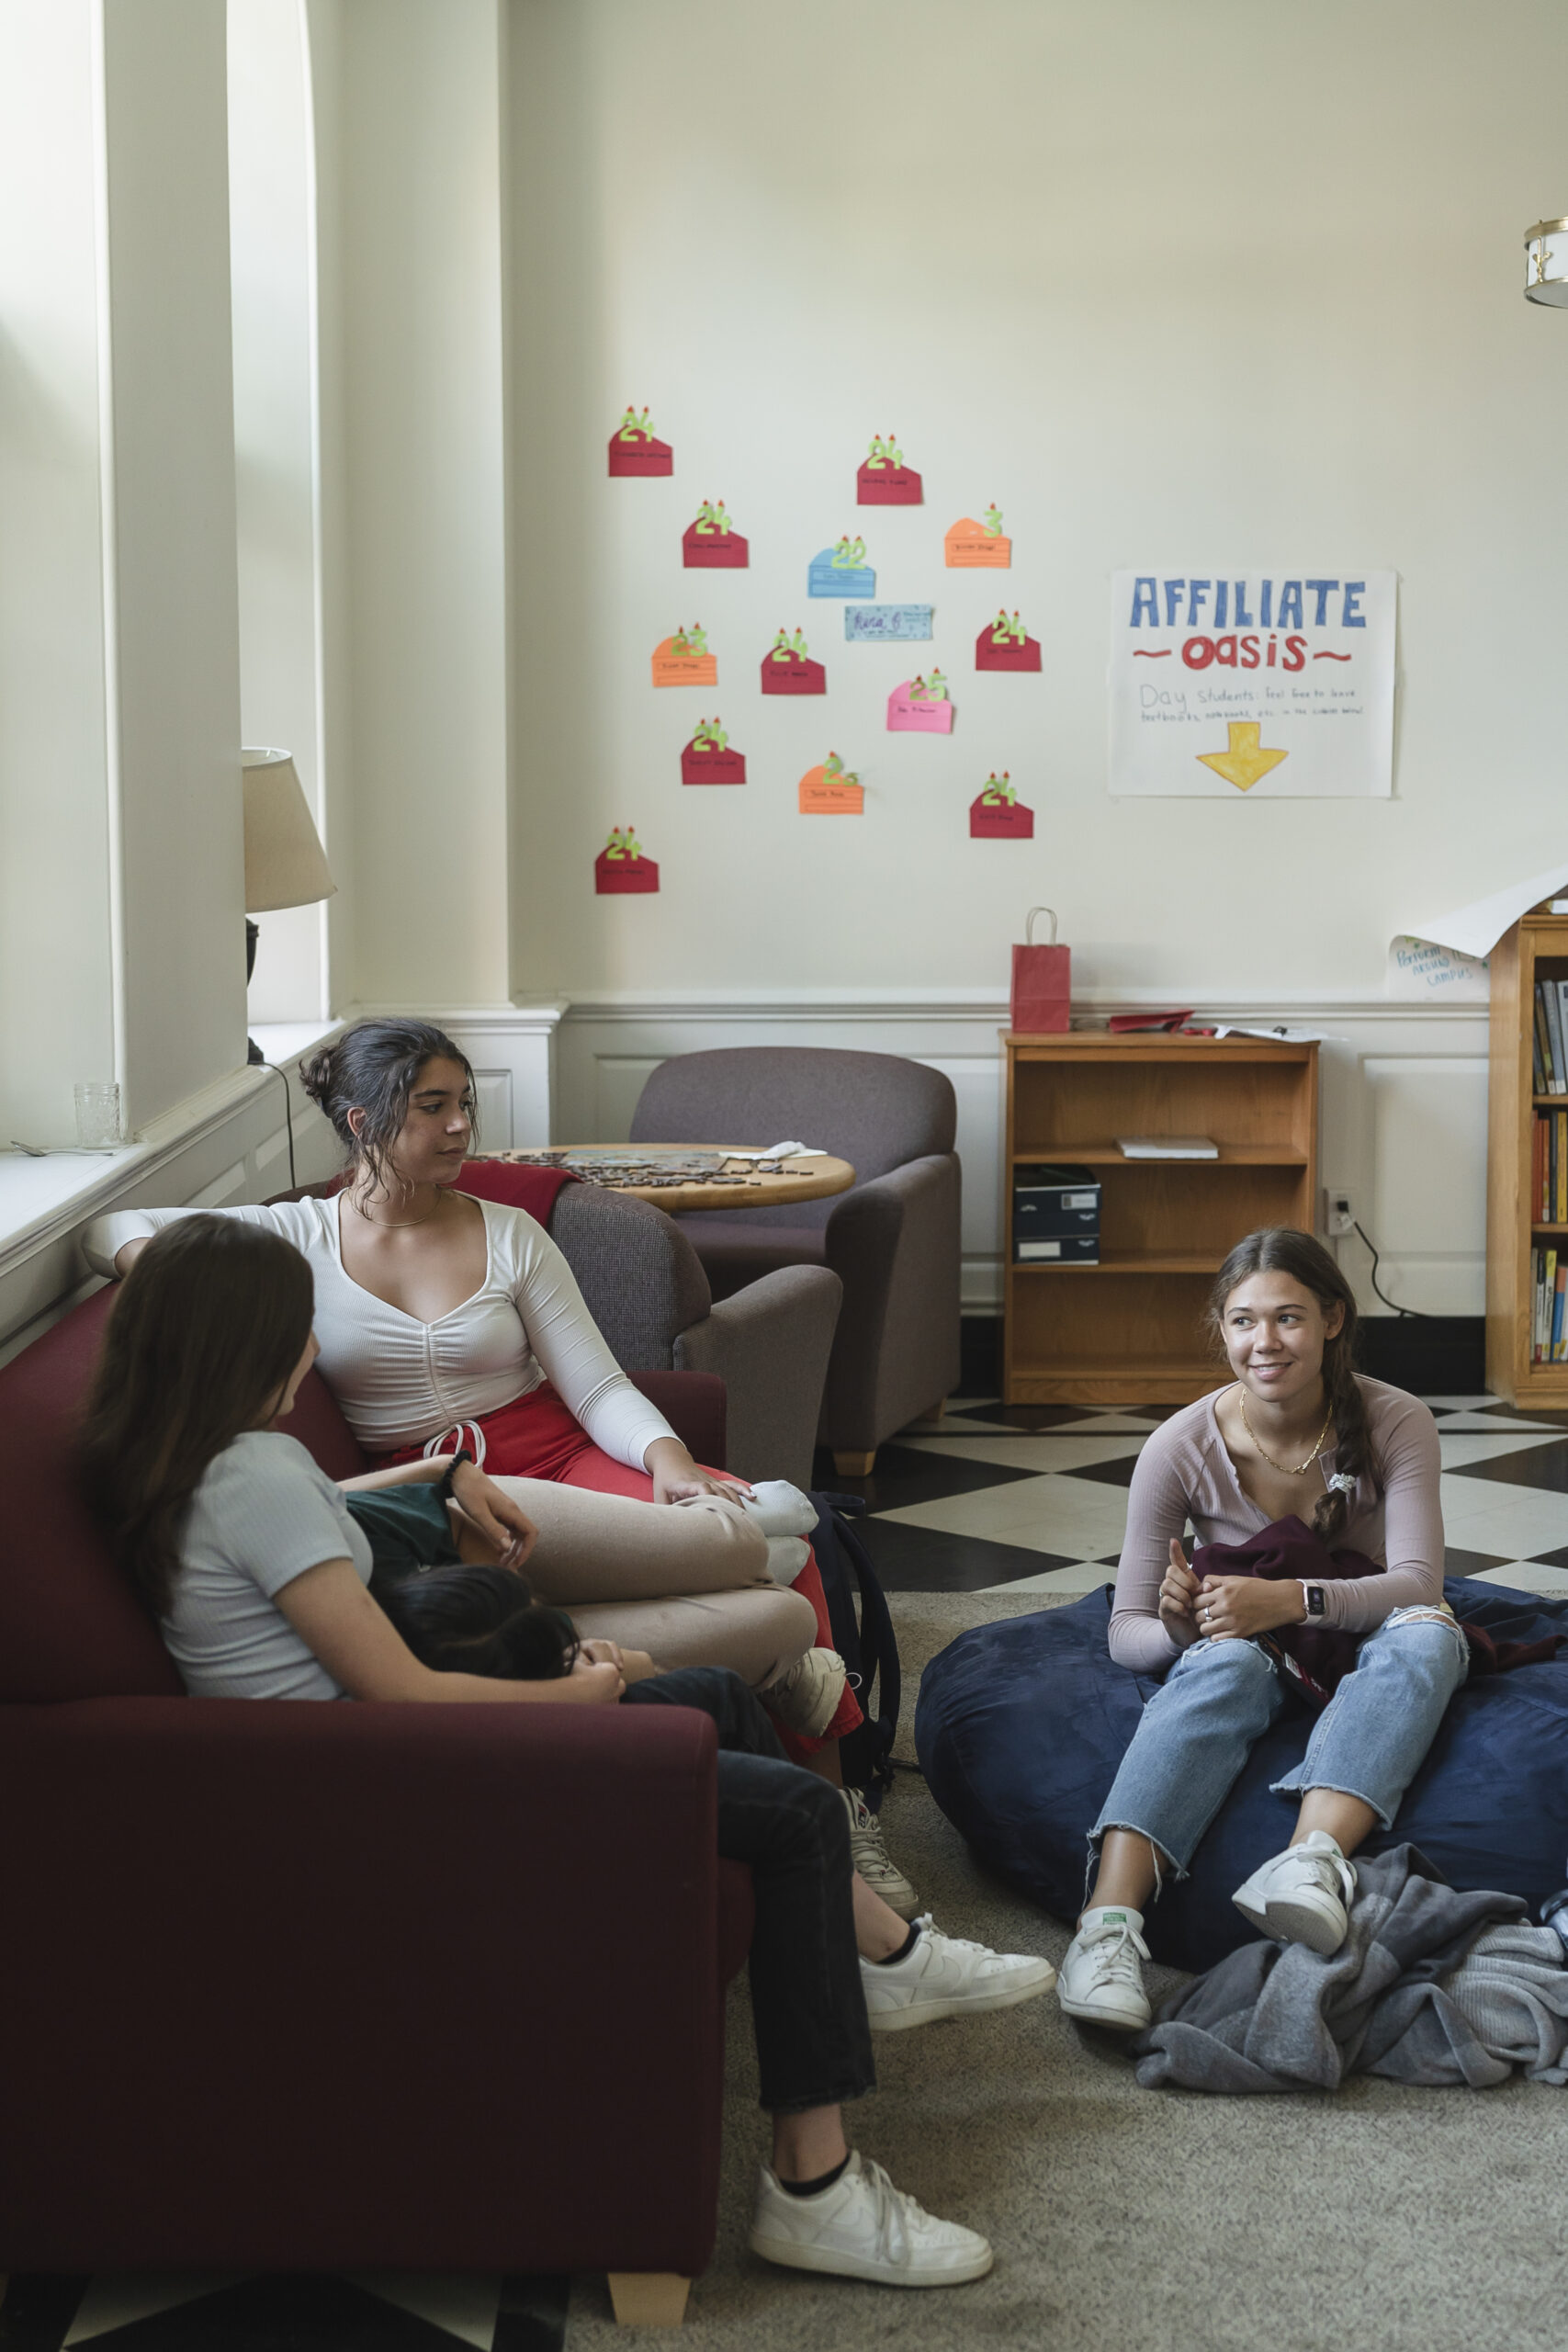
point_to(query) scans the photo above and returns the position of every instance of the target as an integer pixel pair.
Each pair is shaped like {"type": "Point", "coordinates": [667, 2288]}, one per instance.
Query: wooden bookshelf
{"type": "Point", "coordinates": [1129, 1329]}
{"type": "Point", "coordinates": [1536, 948]}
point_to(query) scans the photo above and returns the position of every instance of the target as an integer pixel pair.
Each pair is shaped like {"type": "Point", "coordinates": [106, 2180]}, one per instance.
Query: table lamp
{"type": "Point", "coordinates": [284, 863]}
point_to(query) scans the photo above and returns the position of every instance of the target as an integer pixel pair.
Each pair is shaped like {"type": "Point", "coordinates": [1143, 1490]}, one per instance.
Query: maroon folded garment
{"type": "Point", "coordinates": [1317, 1657]}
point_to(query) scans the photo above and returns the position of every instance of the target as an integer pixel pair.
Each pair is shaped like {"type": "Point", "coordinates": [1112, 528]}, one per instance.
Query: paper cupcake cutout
{"type": "Point", "coordinates": [684, 659]}
{"type": "Point", "coordinates": [711, 544]}
{"type": "Point", "coordinates": [842, 571]}
{"type": "Point", "coordinates": [884, 479]}
{"type": "Point", "coordinates": [998, 814]}
{"type": "Point", "coordinates": [831, 790]}
{"type": "Point", "coordinates": [788, 671]}
{"type": "Point", "coordinates": [921, 706]}
{"type": "Point", "coordinates": [633, 450]}
{"type": "Point", "coordinates": [1005, 644]}
{"type": "Point", "coordinates": [978, 545]}
{"type": "Point", "coordinates": [621, 869]}
{"type": "Point", "coordinates": [707, 758]}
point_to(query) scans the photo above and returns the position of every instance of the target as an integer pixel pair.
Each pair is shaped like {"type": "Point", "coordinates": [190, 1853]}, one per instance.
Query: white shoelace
{"type": "Point", "coordinates": [897, 2214]}
{"type": "Point", "coordinates": [1116, 1952]}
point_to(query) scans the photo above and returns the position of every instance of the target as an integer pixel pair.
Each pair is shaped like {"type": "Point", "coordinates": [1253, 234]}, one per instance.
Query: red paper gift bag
{"type": "Point", "coordinates": [1042, 987]}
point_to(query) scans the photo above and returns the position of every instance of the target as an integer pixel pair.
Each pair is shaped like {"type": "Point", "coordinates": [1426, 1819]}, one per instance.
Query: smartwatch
{"type": "Point", "coordinates": [1316, 1604]}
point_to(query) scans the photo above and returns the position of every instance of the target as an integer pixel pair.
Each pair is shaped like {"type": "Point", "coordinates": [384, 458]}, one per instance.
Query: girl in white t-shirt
{"type": "Point", "coordinates": [251, 1560]}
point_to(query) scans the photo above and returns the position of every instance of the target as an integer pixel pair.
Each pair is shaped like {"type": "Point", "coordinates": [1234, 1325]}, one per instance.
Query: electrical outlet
{"type": "Point", "coordinates": [1339, 1212]}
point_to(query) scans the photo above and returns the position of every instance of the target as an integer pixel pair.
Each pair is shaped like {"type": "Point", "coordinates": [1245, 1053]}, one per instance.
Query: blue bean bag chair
{"type": "Point", "coordinates": [1021, 1726]}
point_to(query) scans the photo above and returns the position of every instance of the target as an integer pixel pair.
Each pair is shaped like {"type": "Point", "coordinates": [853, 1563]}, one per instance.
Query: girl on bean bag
{"type": "Point", "coordinates": [259, 1567]}
{"type": "Point", "coordinates": [449, 1323]}
{"type": "Point", "coordinates": [1299, 1434]}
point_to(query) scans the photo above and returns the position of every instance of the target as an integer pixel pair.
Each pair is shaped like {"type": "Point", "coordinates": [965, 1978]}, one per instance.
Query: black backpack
{"type": "Point", "coordinates": [863, 1639]}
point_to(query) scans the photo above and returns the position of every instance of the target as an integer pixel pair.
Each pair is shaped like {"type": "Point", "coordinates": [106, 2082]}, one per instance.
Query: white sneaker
{"type": "Point", "coordinates": [1102, 1979]}
{"type": "Point", "coordinates": [806, 1699]}
{"type": "Point", "coordinates": [871, 1859]}
{"type": "Point", "coordinates": [787, 1555]}
{"type": "Point", "coordinates": [864, 2228]}
{"type": "Point", "coordinates": [946, 1977]}
{"type": "Point", "coordinates": [1301, 1895]}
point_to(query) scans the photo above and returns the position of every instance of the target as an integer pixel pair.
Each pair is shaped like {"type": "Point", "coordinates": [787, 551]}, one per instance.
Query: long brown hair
{"type": "Point", "coordinates": [212, 1318]}
{"type": "Point", "coordinates": [1281, 1249]}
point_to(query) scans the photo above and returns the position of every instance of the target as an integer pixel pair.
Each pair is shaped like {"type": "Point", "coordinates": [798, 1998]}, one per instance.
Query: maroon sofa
{"type": "Point", "coordinates": [289, 1986]}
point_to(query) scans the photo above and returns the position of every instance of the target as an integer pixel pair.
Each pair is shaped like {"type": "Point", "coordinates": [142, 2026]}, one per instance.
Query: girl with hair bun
{"type": "Point", "coordinates": [452, 1329]}
{"type": "Point", "coordinates": [1300, 1437]}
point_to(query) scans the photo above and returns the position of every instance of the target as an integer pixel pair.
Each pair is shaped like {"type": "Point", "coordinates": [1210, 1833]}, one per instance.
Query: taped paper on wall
{"type": "Point", "coordinates": [707, 758]}
{"type": "Point", "coordinates": [1421, 968]}
{"type": "Point", "coordinates": [831, 790]}
{"type": "Point", "coordinates": [621, 870]}
{"type": "Point", "coordinates": [841, 571]}
{"type": "Point", "coordinates": [884, 479]}
{"type": "Point", "coordinates": [1006, 644]}
{"type": "Point", "coordinates": [684, 659]}
{"type": "Point", "coordinates": [978, 546]}
{"type": "Point", "coordinates": [921, 706]}
{"type": "Point", "coordinates": [633, 450]}
{"type": "Point", "coordinates": [787, 670]}
{"type": "Point", "coordinates": [997, 814]}
{"type": "Point", "coordinates": [883, 623]}
{"type": "Point", "coordinates": [712, 544]}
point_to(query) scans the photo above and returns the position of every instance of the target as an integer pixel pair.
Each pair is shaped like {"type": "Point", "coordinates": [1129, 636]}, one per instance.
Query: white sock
{"type": "Point", "coordinates": [787, 1555]}
{"type": "Point", "coordinates": [1111, 1914]}
{"type": "Point", "coordinates": [779, 1508]}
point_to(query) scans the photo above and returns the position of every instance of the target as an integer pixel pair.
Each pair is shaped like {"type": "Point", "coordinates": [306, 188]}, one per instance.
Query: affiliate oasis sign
{"type": "Point", "coordinates": [1278, 684]}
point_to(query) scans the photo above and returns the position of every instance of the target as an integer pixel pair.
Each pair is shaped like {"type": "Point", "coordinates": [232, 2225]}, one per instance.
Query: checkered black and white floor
{"type": "Point", "coordinates": [997, 1499]}
{"type": "Point", "coordinates": [1033, 1498]}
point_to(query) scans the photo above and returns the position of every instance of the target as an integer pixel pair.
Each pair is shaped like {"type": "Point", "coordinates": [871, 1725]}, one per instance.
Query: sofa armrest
{"type": "Point", "coordinates": [894, 1243]}
{"type": "Point", "coordinates": [352, 1980]}
{"type": "Point", "coordinates": [697, 1408]}
{"type": "Point", "coordinates": [770, 1343]}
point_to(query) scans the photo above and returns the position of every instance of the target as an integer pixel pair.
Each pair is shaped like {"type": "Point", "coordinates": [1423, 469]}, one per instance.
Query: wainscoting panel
{"type": "Point", "coordinates": [1402, 1110]}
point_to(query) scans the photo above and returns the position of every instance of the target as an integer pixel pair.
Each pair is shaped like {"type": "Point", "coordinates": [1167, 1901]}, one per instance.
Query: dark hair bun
{"type": "Point", "coordinates": [316, 1076]}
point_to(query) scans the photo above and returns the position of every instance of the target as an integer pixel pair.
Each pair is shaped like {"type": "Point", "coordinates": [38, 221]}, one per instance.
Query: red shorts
{"type": "Point", "coordinates": [535, 1437]}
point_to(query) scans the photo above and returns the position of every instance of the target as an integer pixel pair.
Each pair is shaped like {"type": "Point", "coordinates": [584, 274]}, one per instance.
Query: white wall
{"type": "Point", "coordinates": [1219, 284]}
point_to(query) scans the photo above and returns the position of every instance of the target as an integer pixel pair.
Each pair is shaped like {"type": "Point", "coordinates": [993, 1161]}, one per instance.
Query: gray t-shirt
{"type": "Point", "coordinates": [262, 1514]}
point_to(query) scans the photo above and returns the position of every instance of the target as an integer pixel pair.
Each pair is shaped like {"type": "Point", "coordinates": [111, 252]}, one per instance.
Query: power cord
{"type": "Point", "coordinates": [1416, 1314]}
{"type": "Point", "coordinates": [288, 1115]}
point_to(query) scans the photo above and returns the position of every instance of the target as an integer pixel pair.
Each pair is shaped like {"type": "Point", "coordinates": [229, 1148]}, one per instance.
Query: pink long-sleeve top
{"type": "Point", "coordinates": [1185, 1473]}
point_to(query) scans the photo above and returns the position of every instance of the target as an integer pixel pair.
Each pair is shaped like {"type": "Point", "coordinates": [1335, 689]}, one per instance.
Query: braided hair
{"type": "Point", "coordinates": [1281, 1249]}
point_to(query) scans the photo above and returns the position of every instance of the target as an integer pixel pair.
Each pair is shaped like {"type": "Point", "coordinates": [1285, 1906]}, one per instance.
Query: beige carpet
{"type": "Point", "coordinates": [1147, 2221]}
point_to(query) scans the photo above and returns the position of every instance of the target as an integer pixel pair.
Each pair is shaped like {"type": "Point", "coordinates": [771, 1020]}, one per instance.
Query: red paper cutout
{"type": "Point", "coordinates": [884, 479]}
{"type": "Point", "coordinates": [793, 673]}
{"type": "Point", "coordinates": [717, 549]}
{"type": "Point", "coordinates": [707, 758]}
{"type": "Point", "coordinates": [1008, 822]}
{"type": "Point", "coordinates": [1010, 654]}
{"type": "Point", "coordinates": [617, 873]}
{"type": "Point", "coordinates": [633, 450]}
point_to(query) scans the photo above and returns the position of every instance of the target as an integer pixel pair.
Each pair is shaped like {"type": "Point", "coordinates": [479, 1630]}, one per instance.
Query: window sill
{"type": "Point", "coordinates": [40, 1199]}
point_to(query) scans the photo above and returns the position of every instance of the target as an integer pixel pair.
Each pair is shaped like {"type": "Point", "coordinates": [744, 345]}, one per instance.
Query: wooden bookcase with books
{"type": "Point", "coordinates": [1128, 1330]}
{"type": "Point", "coordinates": [1527, 1156]}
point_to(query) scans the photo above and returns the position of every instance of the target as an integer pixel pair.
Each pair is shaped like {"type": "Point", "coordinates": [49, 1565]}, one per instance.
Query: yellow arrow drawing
{"type": "Point", "coordinates": [1243, 762]}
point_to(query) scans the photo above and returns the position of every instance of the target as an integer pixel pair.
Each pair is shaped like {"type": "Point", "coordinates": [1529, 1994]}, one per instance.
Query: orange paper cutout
{"type": "Point", "coordinates": [969, 545]}
{"type": "Point", "coordinates": [820, 797]}
{"type": "Point", "coordinates": [673, 669]}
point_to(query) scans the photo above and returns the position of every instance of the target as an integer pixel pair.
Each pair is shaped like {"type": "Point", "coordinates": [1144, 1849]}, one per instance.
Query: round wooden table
{"type": "Point", "coordinates": [725, 1183]}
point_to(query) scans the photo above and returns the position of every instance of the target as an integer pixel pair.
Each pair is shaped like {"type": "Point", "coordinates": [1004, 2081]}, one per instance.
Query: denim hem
{"type": "Point", "coordinates": [1293, 1785]}
{"type": "Point", "coordinates": [1165, 1864]}
{"type": "Point", "coordinates": [824, 2098]}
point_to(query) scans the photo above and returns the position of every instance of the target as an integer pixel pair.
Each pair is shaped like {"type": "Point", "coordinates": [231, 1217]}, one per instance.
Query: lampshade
{"type": "Point", "coordinates": [285, 864]}
{"type": "Point", "coordinates": [1546, 262]}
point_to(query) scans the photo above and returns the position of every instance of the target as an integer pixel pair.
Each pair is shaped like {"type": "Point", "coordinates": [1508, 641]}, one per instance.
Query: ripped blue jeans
{"type": "Point", "coordinates": [1197, 1731]}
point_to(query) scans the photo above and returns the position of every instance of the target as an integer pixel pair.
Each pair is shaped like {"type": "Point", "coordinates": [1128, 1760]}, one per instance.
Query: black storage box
{"type": "Point", "coordinates": [1056, 1215]}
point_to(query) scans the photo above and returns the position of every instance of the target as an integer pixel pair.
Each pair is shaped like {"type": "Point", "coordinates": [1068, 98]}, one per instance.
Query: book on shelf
{"type": "Point", "coordinates": [1548, 996]}
{"type": "Point", "coordinates": [1168, 1148]}
{"type": "Point", "coordinates": [1549, 1305]}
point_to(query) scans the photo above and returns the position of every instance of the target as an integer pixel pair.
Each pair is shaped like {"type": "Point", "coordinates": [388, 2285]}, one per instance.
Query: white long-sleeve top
{"type": "Point", "coordinates": [401, 1382]}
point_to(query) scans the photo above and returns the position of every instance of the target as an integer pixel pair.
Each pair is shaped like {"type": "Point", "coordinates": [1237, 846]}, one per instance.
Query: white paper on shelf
{"type": "Point", "coordinates": [1476, 928]}
{"type": "Point", "coordinates": [1287, 1037]}
{"type": "Point", "coordinates": [1168, 1148]}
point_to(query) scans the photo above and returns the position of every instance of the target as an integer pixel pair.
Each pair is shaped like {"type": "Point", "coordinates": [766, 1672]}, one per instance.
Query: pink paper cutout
{"type": "Point", "coordinates": [917, 718]}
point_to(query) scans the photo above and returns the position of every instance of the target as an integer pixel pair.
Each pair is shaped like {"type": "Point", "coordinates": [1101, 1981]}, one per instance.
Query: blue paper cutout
{"type": "Point", "coordinates": [832, 575]}
{"type": "Point", "coordinates": [886, 622]}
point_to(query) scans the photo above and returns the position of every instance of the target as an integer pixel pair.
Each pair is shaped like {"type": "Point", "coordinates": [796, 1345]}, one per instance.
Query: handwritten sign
{"type": "Point", "coordinates": [886, 622]}
{"type": "Point", "coordinates": [1272, 682]}
{"type": "Point", "coordinates": [1420, 968]}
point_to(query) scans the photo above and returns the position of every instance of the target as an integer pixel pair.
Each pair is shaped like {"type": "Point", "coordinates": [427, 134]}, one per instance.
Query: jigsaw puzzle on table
{"type": "Point", "coordinates": [624, 1171]}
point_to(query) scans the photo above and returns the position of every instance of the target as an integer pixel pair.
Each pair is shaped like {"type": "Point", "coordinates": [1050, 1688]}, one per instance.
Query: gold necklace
{"type": "Point", "coordinates": [395, 1224]}
{"type": "Point", "coordinates": [1280, 1466]}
